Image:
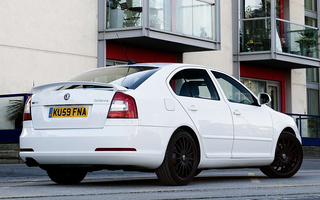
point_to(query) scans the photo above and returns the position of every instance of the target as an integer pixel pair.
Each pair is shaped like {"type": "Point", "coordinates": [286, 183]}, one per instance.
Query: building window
{"type": "Point", "coordinates": [271, 87]}
{"type": "Point", "coordinates": [311, 5]}
{"type": "Point", "coordinates": [313, 101]}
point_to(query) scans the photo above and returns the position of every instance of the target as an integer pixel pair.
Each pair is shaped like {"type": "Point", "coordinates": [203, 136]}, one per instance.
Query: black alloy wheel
{"type": "Point", "coordinates": [288, 157]}
{"type": "Point", "coordinates": [66, 176]}
{"type": "Point", "coordinates": [181, 160]}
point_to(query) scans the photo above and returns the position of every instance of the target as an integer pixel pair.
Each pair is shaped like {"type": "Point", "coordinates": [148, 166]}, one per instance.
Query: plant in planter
{"type": "Point", "coordinates": [15, 112]}
{"type": "Point", "coordinates": [308, 42]}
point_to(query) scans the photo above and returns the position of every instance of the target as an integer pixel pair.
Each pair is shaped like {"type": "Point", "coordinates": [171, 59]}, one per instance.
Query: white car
{"type": "Point", "coordinates": [172, 119]}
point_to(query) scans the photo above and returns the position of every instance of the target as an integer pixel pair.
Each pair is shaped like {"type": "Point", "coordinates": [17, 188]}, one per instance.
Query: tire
{"type": "Point", "coordinates": [181, 160]}
{"type": "Point", "coordinates": [198, 172]}
{"type": "Point", "coordinates": [66, 176]}
{"type": "Point", "coordinates": [288, 158]}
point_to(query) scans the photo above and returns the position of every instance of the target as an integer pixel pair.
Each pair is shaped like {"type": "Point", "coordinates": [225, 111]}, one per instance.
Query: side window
{"type": "Point", "coordinates": [233, 90]}
{"type": "Point", "coordinates": [194, 83]}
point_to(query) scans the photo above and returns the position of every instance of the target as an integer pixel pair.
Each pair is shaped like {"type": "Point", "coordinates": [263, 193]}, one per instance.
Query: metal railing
{"type": "Point", "coordinates": [292, 38]}
{"type": "Point", "coordinates": [186, 17]}
{"type": "Point", "coordinates": [309, 126]}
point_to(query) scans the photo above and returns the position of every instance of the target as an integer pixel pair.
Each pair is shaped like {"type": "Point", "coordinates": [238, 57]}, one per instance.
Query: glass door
{"type": "Point", "coordinates": [274, 92]}
{"type": "Point", "coordinates": [270, 87]}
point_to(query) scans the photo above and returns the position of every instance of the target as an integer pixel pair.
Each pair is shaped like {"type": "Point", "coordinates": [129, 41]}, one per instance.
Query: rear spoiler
{"type": "Point", "coordinates": [39, 89]}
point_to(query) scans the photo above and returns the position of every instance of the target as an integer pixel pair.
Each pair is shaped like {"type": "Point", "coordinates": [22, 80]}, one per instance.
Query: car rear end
{"type": "Point", "coordinates": [93, 121]}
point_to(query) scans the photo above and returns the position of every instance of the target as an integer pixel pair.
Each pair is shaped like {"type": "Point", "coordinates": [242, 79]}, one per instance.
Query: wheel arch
{"type": "Point", "coordinates": [194, 137]}
{"type": "Point", "coordinates": [288, 130]}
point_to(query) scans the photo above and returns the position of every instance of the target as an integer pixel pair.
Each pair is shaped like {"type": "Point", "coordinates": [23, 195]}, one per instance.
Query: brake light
{"type": "Point", "coordinates": [27, 110]}
{"type": "Point", "coordinates": [123, 106]}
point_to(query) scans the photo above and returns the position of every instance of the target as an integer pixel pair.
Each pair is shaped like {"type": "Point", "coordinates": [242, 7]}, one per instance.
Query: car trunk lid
{"type": "Point", "coordinates": [72, 108]}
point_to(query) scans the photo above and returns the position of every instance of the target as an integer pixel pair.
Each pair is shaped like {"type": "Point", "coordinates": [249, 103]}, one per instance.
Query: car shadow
{"type": "Point", "coordinates": [153, 181]}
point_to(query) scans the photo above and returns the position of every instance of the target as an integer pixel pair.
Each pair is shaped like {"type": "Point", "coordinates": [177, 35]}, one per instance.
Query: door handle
{"type": "Point", "coordinates": [193, 108]}
{"type": "Point", "coordinates": [236, 112]}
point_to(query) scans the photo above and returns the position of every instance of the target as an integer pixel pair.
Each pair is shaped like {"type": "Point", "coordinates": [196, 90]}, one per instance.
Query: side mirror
{"type": "Point", "coordinates": [264, 98]}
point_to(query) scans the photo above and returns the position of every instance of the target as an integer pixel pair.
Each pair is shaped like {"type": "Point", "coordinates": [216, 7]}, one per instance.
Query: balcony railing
{"type": "Point", "coordinates": [309, 127]}
{"type": "Point", "coordinates": [256, 35]}
{"type": "Point", "coordinates": [185, 17]}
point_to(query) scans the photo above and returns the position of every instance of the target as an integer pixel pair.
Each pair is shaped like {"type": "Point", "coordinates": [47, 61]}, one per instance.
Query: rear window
{"type": "Point", "coordinates": [126, 76]}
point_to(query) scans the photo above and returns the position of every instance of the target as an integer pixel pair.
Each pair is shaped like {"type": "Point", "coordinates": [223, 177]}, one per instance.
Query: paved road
{"type": "Point", "coordinates": [21, 182]}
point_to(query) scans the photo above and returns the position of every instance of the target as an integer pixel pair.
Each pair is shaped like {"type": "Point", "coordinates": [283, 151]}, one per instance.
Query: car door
{"type": "Point", "coordinates": [253, 130]}
{"type": "Point", "coordinates": [211, 116]}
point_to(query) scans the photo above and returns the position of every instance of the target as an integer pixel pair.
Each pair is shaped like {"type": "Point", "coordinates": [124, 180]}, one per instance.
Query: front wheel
{"type": "Point", "coordinates": [66, 176]}
{"type": "Point", "coordinates": [288, 158]}
{"type": "Point", "coordinates": [181, 160]}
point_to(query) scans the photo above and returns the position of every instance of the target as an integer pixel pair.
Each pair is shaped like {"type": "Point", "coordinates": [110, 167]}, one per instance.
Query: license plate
{"type": "Point", "coordinates": [55, 112]}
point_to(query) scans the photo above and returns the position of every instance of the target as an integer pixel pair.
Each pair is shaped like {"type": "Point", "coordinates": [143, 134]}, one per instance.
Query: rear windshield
{"type": "Point", "coordinates": [126, 76]}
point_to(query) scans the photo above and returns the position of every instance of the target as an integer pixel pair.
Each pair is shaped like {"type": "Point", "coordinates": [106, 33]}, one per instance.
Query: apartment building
{"type": "Point", "coordinates": [270, 45]}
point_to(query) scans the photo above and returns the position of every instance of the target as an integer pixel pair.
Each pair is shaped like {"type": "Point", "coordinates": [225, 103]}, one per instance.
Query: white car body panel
{"type": "Point", "coordinates": [225, 139]}
{"type": "Point", "coordinates": [252, 130]}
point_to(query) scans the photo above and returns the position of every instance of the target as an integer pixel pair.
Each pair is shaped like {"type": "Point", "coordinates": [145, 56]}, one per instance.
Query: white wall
{"type": "Point", "coordinates": [45, 41]}
{"type": "Point", "coordinates": [221, 59]}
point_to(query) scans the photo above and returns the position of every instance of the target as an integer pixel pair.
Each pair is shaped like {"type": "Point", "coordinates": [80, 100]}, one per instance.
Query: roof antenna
{"type": "Point", "coordinates": [130, 62]}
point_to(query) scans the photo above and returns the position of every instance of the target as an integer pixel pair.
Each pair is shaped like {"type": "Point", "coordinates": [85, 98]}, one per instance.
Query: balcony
{"type": "Point", "coordinates": [276, 42]}
{"type": "Point", "coordinates": [175, 26]}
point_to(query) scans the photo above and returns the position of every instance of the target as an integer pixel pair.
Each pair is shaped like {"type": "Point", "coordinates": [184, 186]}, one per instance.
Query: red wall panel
{"type": "Point", "coordinates": [272, 74]}
{"type": "Point", "coordinates": [140, 55]}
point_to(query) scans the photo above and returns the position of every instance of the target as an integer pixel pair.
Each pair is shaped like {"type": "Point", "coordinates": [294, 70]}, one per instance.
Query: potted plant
{"type": "Point", "coordinates": [15, 112]}
{"type": "Point", "coordinates": [308, 42]}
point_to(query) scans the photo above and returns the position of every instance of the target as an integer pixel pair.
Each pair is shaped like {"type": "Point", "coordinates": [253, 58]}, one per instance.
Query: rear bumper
{"type": "Point", "coordinates": [120, 145]}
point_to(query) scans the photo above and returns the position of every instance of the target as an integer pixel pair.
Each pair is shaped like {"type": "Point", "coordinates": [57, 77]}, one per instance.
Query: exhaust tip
{"type": "Point", "coordinates": [30, 162]}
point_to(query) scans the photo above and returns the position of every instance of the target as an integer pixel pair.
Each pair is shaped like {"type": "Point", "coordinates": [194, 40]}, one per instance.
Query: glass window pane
{"type": "Point", "coordinates": [313, 102]}
{"type": "Point", "coordinates": [256, 8]}
{"type": "Point", "coordinates": [255, 35]}
{"type": "Point", "coordinates": [311, 5]}
{"type": "Point", "coordinates": [311, 21]}
{"type": "Point", "coordinates": [123, 13]}
{"type": "Point", "coordinates": [129, 77]}
{"type": "Point", "coordinates": [233, 90]}
{"type": "Point", "coordinates": [297, 39]}
{"type": "Point", "coordinates": [194, 83]}
{"type": "Point", "coordinates": [273, 91]}
{"type": "Point", "coordinates": [189, 17]}
{"type": "Point", "coordinates": [312, 75]}
{"type": "Point", "coordinates": [255, 86]}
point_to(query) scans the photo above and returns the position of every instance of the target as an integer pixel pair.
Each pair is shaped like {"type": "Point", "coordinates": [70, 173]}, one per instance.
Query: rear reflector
{"type": "Point", "coordinates": [26, 149]}
{"type": "Point", "coordinates": [115, 149]}
{"type": "Point", "coordinates": [123, 106]}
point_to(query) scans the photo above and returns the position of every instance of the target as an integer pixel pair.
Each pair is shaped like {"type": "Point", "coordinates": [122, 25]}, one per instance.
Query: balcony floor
{"type": "Point", "coordinates": [278, 60]}
{"type": "Point", "coordinates": [160, 40]}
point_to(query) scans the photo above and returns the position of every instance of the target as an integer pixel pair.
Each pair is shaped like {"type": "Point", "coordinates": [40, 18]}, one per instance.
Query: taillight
{"type": "Point", "coordinates": [123, 106]}
{"type": "Point", "coordinates": [27, 110]}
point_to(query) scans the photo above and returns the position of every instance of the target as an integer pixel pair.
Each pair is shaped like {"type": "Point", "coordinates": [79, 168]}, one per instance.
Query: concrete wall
{"type": "Point", "coordinates": [298, 76]}
{"type": "Point", "coordinates": [221, 59]}
{"type": "Point", "coordinates": [45, 41]}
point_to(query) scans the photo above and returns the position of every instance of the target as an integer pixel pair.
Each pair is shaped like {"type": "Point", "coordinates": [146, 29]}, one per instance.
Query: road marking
{"type": "Point", "coordinates": [253, 180]}
{"type": "Point", "coordinates": [17, 185]}
{"type": "Point", "coordinates": [291, 185]}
